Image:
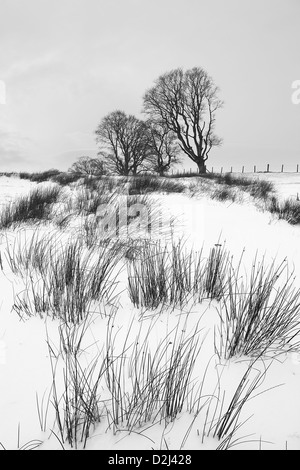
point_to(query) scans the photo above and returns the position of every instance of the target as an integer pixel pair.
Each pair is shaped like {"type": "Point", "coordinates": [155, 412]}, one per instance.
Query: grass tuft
{"type": "Point", "coordinates": [149, 184]}
{"type": "Point", "coordinates": [36, 206]}
{"type": "Point", "coordinates": [288, 210]}
{"type": "Point", "coordinates": [160, 377]}
{"type": "Point", "coordinates": [71, 279]}
{"type": "Point", "coordinates": [158, 276]}
{"type": "Point", "coordinates": [259, 313]}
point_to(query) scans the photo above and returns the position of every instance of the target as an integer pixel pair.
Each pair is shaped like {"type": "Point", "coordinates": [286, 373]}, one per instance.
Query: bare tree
{"type": "Point", "coordinates": [125, 143]}
{"type": "Point", "coordinates": [163, 147]}
{"type": "Point", "coordinates": [186, 102]}
{"type": "Point", "coordinates": [88, 166]}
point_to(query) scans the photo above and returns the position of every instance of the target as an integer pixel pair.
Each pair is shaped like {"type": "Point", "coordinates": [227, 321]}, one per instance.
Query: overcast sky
{"type": "Point", "coordinates": [67, 63]}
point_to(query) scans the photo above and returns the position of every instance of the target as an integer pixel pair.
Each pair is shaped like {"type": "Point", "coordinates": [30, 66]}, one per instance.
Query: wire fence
{"type": "Point", "coordinates": [243, 169]}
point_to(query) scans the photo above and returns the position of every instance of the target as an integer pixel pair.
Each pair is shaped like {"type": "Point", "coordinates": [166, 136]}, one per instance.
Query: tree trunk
{"type": "Point", "coordinates": [201, 167]}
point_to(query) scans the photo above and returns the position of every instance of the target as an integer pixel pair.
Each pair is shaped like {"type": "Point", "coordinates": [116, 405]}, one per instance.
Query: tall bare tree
{"type": "Point", "coordinates": [186, 102]}
{"type": "Point", "coordinates": [163, 147]}
{"type": "Point", "coordinates": [124, 142]}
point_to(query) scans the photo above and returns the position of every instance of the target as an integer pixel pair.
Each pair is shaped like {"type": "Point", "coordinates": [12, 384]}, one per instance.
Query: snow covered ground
{"type": "Point", "coordinates": [25, 366]}
{"type": "Point", "coordinates": [11, 187]}
{"type": "Point", "coordinates": [287, 184]}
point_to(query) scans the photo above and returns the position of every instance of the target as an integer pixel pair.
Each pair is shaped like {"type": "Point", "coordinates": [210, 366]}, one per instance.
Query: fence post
{"type": "Point", "coordinates": [212, 169]}
{"type": "Point", "coordinates": [254, 168]}
{"type": "Point", "coordinates": [281, 168]}
{"type": "Point", "coordinates": [297, 168]}
{"type": "Point", "coordinates": [243, 168]}
{"type": "Point", "coordinates": [221, 169]}
{"type": "Point", "coordinates": [231, 170]}
{"type": "Point", "coordinates": [268, 168]}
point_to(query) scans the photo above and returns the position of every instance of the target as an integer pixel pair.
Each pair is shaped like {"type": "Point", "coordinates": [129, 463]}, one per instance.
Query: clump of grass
{"type": "Point", "coordinates": [190, 174]}
{"type": "Point", "coordinates": [146, 383]}
{"type": "Point", "coordinates": [88, 201]}
{"type": "Point", "coordinates": [259, 313]}
{"type": "Point", "coordinates": [233, 180]}
{"type": "Point", "coordinates": [122, 218]}
{"type": "Point", "coordinates": [72, 335]}
{"type": "Point", "coordinates": [288, 210]}
{"type": "Point", "coordinates": [90, 232]}
{"type": "Point", "coordinates": [184, 267]}
{"type": "Point", "coordinates": [149, 184]}
{"type": "Point", "coordinates": [223, 194]}
{"type": "Point", "coordinates": [36, 206]}
{"type": "Point", "coordinates": [262, 189]}
{"type": "Point", "coordinates": [72, 279]}
{"type": "Point", "coordinates": [41, 176]}
{"type": "Point", "coordinates": [143, 216]}
{"type": "Point", "coordinates": [24, 175]}
{"type": "Point", "coordinates": [30, 445]}
{"type": "Point", "coordinates": [131, 217]}
{"type": "Point", "coordinates": [111, 184]}
{"type": "Point", "coordinates": [9, 174]}
{"type": "Point", "coordinates": [54, 175]}
{"type": "Point", "coordinates": [160, 379]}
{"type": "Point", "coordinates": [259, 189]}
{"type": "Point", "coordinates": [92, 182]}
{"type": "Point", "coordinates": [78, 409]}
{"type": "Point", "coordinates": [65, 179]}
{"type": "Point", "coordinates": [27, 254]}
{"type": "Point", "coordinates": [172, 277]}
{"type": "Point", "coordinates": [215, 273]}
{"type": "Point", "coordinates": [148, 280]}
{"type": "Point", "coordinates": [225, 424]}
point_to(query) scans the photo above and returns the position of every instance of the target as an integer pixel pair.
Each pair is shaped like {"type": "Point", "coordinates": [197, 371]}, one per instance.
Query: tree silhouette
{"type": "Point", "coordinates": [186, 102]}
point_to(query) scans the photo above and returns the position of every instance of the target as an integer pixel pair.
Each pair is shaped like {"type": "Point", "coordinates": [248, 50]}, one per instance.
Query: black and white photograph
{"type": "Point", "coordinates": [149, 227]}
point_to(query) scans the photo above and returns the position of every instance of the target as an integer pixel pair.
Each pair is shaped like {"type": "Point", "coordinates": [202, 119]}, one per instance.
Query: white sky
{"type": "Point", "coordinates": [67, 63]}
